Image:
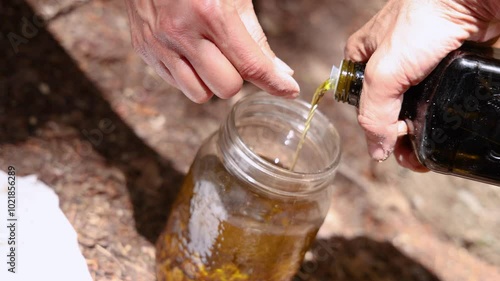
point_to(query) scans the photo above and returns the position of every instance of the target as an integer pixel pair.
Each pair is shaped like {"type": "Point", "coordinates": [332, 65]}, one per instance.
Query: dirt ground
{"type": "Point", "coordinates": [81, 110]}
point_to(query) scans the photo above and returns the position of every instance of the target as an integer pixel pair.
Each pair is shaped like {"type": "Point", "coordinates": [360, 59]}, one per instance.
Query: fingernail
{"type": "Point", "coordinates": [402, 128]}
{"type": "Point", "coordinates": [290, 87]}
{"type": "Point", "coordinates": [292, 96]}
{"type": "Point", "coordinates": [281, 65]}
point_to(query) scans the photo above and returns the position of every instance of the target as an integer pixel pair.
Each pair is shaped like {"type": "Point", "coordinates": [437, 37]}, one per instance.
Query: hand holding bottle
{"type": "Point", "coordinates": [402, 44]}
{"type": "Point", "coordinates": [207, 47]}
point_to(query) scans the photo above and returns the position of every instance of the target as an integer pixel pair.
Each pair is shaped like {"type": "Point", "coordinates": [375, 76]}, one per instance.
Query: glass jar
{"type": "Point", "coordinates": [241, 214]}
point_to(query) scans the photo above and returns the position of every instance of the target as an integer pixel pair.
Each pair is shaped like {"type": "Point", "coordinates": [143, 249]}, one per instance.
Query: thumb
{"type": "Point", "coordinates": [247, 56]}
{"type": "Point", "coordinates": [251, 23]}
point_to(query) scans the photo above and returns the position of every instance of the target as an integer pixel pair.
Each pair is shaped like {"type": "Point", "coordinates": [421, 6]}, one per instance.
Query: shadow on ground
{"type": "Point", "coordinates": [74, 101]}
{"type": "Point", "coordinates": [360, 259]}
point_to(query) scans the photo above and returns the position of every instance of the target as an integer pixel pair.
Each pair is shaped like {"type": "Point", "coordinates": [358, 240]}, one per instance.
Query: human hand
{"type": "Point", "coordinates": [207, 47]}
{"type": "Point", "coordinates": [403, 43]}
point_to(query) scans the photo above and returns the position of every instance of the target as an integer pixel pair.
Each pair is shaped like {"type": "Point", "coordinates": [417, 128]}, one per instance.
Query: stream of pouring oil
{"type": "Point", "coordinates": [318, 94]}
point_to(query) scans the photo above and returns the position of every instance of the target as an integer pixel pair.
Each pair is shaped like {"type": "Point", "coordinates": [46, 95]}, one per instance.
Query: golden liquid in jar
{"type": "Point", "coordinates": [318, 94]}
{"type": "Point", "coordinates": [260, 241]}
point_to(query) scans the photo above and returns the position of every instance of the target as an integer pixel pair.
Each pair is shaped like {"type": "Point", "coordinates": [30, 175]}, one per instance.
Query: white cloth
{"type": "Point", "coordinates": [47, 245]}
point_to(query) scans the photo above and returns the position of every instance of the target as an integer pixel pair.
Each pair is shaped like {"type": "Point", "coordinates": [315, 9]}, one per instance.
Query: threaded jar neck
{"type": "Point", "coordinates": [261, 125]}
{"type": "Point", "coordinates": [349, 82]}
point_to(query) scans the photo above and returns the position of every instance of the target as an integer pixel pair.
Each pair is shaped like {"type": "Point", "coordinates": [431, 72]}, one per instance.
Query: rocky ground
{"type": "Point", "coordinates": [81, 110]}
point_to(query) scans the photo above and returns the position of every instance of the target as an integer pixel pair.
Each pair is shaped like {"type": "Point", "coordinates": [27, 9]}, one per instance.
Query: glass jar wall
{"type": "Point", "coordinates": [241, 214]}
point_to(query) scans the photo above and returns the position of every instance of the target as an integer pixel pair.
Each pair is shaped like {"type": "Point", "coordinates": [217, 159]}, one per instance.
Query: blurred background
{"type": "Point", "coordinates": [82, 111]}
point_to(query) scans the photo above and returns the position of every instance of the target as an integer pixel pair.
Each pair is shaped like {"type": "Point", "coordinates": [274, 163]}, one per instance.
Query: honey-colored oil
{"type": "Point", "coordinates": [318, 95]}
{"type": "Point", "coordinates": [212, 237]}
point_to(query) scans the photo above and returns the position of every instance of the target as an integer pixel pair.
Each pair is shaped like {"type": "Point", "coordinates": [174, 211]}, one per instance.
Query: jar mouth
{"type": "Point", "coordinates": [261, 125]}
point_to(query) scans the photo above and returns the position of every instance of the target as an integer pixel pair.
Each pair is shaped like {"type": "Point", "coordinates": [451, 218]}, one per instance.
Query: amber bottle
{"type": "Point", "coordinates": [453, 116]}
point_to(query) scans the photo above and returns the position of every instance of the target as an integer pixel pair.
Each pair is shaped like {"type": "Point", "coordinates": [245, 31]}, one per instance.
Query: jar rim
{"type": "Point", "coordinates": [313, 180]}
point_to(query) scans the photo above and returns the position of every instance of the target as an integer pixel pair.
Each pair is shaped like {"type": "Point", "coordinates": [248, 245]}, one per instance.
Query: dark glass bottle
{"type": "Point", "coordinates": [453, 116]}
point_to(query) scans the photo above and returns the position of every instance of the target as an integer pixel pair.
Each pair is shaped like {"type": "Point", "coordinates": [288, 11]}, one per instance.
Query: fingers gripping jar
{"type": "Point", "coordinates": [241, 214]}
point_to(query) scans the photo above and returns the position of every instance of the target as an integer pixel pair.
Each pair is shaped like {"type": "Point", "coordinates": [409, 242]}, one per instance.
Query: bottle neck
{"type": "Point", "coordinates": [349, 82]}
{"type": "Point", "coordinates": [263, 126]}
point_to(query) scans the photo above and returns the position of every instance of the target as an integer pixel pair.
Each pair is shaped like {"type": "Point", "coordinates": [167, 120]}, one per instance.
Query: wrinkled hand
{"type": "Point", "coordinates": [207, 47]}
{"type": "Point", "coordinates": [403, 43]}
